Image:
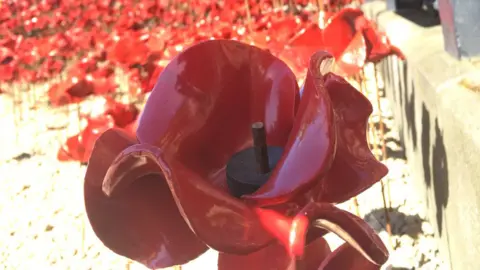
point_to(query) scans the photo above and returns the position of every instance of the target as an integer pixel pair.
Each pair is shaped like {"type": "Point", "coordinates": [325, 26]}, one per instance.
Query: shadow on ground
{"type": "Point", "coordinates": [401, 223]}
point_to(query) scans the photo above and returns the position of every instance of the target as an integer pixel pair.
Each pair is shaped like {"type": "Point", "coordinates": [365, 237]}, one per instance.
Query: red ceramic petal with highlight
{"type": "Point", "coordinates": [282, 30]}
{"type": "Point", "coordinates": [219, 219]}
{"type": "Point", "coordinates": [352, 60]}
{"type": "Point", "coordinates": [303, 45]}
{"type": "Point", "coordinates": [311, 146]}
{"type": "Point", "coordinates": [275, 257]}
{"type": "Point", "coordinates": [346, 257]}
{"type": "Point", "coordinates": [340, 30]}
{"type": "Point", "coordinates": [311, 36]}
{"type": "Point", "coordinates": [197, 117]}
{"type": "Point", "coordinates": [79, 147]}
{"type": "Point", "coordinates": [334, 37]}
{"type": "Point", "coordinates": [354, 168]}
{"type": "Point", "coordinates": [71, 150]}
{"type": "Point", "coordinates": [206, 99]}
{"type": "Point", "coordinates": [338, 36]}
{"type": "Point", "coordinates": [378, 44]}
{"type": "Point", "coordinates": [142, 224]}
{"type": "Point", "coordinates": [272, 257]}
{"type": "Point", "coordinates": [349, 227]}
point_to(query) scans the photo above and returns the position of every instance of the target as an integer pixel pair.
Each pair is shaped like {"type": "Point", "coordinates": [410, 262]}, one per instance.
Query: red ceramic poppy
{"type": "Point", "coordinates": [336, 34]}
{"type": "Point", "coordinates": [108, 114]}
{"type": "Point", "coordinates": [72, 90]}
{"type": "Point", "coordinates": [129, 49]}
{"type": "Point", "coordinates": [163, 197]}
{"type": "Point", "coordinates": [79, 147]}
{"type": "Point", "coordinates": [378, 44]}
{"type": "Point", "coordinates": [8, 64]}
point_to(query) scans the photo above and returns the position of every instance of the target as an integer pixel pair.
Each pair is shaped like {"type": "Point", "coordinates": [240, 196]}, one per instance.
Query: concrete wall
{"type": "Point", "coordinates": [436, 101]}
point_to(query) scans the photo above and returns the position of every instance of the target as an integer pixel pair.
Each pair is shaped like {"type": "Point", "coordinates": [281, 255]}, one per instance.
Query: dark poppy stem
{"type": "Point", "coordinates": [260, 147]}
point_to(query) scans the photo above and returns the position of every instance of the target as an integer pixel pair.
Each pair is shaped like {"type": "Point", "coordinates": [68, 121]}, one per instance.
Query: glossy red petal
{"type": "Point", "coordinates": [303, 45]}
{"type": "Point", "coordinates": [340, 30]}
{"type": "Point", "coordinates": [333, 34]}
{"type": "Point", "coordinates": [311, 145]}
{"type": "Point", "coordinates": [354, 168]}
{"type": "Point", "coordinates": [79, 147]}
{"type": "Point", "coordinates": [346, 257]}
{"type": "Point", "coordinates": [80, 88]}
{"type": "Point", "coordinates": [220, 220]}
{"type": "Point", "coordinates": [129, 49]}
{"type": "Point", "coordinates": [311, 36]}
{"type": "Point", "coordinates": [276, 257]}
{"type": "Point", "coordinates": [282, 29]}
{"type": "Point", "coordinates": [315, 253]}
{"type": "Point", "coordinates": [96, 126]}
{"type": "Point", "coordinates": [349, 227]}
{"type": "Point", "coordinates": [142, 224]}
{"type": "Point", "coordinates": [122, 114]}
{"type": "Point", "coordinates": [378, 44]}
{"type": "Point", "coordinates": [57, 94]}
{"type": "Point", "coordinates": [103, 86]}
{"type": "Point", "coordinates": [72, 150]}
{"type": "Point", "coordinates": [153, 79]}
{"type": "Point", "coordinates": [206, 99]}
{"type": "Point", "coordinates": [338, 36]}
{"type": "Point", "coordinates": [353, 58]}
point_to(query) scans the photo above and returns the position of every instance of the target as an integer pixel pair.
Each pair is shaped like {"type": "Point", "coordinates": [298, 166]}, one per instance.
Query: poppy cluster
{"type": "Point", "coordinates": [90, 42]}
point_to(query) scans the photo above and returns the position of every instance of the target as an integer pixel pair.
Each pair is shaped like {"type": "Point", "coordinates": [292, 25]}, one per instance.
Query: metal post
{"type": "Point", "coordinates": [461, 27]}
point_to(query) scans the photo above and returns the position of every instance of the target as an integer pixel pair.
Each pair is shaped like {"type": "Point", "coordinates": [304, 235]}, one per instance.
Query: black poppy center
{"type": "Point", "coordinates": [250, 168]}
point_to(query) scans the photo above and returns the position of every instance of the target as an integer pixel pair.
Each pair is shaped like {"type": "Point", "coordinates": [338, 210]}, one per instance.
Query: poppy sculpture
{"type": "Point", "coordinates": [347, 34]}
{"type": "Point", "coordinates": [229, 154]}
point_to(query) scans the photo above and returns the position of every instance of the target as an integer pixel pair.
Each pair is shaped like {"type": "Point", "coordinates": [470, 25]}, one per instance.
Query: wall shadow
{"type": "Point", "coordinates": [435, 165]}
{"type": "Point", "coordinates": [396, 154]}
{"type": "Point", "coordinates": [428, 140]}
{"type": "Point", "coordinates": [422, 14]}
{"type": "Point", "coordinates": [440, 176]}
{"type": "Point", "coordinates": [409, 103]}
{"type": "Point", "coordinates": [425, 143]}
{"type": "Point", "coordinates": [420, 17]}
{"type": "Point", "coordinates": [399, 90]}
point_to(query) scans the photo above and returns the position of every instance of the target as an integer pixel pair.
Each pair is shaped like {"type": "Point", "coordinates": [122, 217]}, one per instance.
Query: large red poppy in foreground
{"type": "Point", "coordinates": [162, 198]}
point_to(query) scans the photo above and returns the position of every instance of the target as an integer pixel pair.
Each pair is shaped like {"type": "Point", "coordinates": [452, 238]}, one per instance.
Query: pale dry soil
{"type": "Point", "coordinates": [43, 223]}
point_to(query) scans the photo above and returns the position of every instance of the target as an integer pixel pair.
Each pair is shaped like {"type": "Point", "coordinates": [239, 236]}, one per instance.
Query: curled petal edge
{"type": "Point", "coordinates": [139, 224]}
{"type": "Point", "coordinates": [354, 168]}
{"type": "Point", "coordinates": [356, 232]}
{"type": "Point", "coordinates": [313, 137]}
{"type": "Point", "coordinates": [221, 221]}
{"type": "Point", "coordinates": [347, 257]}
{"type": "Point", "coordinates": [276, 256]}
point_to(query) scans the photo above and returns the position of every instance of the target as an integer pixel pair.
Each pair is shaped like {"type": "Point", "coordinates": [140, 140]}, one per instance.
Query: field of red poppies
{"type": "Point", "coordinates": [103, 58]}
{"type": "Point", "coordinates": [82, 46]}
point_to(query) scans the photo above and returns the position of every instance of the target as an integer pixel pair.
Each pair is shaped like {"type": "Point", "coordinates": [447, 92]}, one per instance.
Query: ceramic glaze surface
{"type": "Point", "coordinates": [161, 198]}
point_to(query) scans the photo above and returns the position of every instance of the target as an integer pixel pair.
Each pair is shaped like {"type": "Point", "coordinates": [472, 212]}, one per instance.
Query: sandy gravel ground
{"type": "Point", "coordinates": [43, 223]}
